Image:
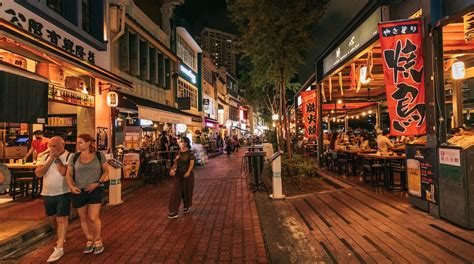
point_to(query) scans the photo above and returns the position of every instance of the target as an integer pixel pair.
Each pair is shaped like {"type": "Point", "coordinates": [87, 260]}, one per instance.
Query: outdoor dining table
{"type": "Point", "coordinates": [385, 158]}
{"type": "Point", "coordinates": [19, 169]}
{"type": "Point", "coordinates": [26, 166]}
{"type": "Point", "coordinates": [255, 148]}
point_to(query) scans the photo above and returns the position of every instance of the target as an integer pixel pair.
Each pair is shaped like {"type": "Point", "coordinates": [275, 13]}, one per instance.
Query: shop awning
{"type": "Point", "coordinates": [23, 96]}
{"type": "Point", "coordinates": [155, 111]}
{"type": "Point", "coordinates": [162, 116]}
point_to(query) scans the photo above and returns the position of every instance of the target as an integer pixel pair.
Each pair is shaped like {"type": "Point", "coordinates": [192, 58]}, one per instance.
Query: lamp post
{"type": "Point", "coordinates": [275, 118]}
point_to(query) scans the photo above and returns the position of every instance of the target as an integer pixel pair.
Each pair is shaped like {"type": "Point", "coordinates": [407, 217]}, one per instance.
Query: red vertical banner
{"type": "Point", "coordinates": [402, 54]}
{"type": "Point", "coordinates": [310, 119]}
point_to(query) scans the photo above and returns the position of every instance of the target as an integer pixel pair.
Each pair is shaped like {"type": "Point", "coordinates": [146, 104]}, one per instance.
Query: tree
{"type": "Point", "coordinates": [276, 36]}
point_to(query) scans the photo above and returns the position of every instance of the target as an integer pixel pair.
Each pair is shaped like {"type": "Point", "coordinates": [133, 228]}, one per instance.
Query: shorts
{"type": "Point", "coordinates": [85, 198]}
{"type": "Point", "coordinates": [57, 205]}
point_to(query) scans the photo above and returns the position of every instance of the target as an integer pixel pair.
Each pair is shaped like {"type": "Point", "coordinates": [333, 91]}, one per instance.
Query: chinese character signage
{"type": "Point", "coordinates": [309, 113]}
{"type": "Point", "coordinates": [42, 29]}
{"type": "Point", "coordinates": [401, 44]}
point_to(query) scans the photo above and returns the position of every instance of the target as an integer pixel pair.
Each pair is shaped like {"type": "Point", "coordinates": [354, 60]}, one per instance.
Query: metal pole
{"type": "Point", "coordinates": [377, 117]}
{"type": "Point", "coordinates": [320, 126]}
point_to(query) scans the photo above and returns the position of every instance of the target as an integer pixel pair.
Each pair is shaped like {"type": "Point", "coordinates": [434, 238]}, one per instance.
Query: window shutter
{"type": "Point", "coordinates": [153, 66]}
{"type": "Point", "coordinates": [124, 51]}
{"type": "Point", "coordinates": [168, 74]}
{"type": "Point", "coordinates": [144, 60]}
{"type": "Point", "coordinates": [134, 54]}
{"type": "Point", "coordinates": [161, 70]}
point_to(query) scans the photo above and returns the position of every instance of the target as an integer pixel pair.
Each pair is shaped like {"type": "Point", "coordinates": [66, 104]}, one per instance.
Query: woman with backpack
{"type": "Point", "coordinates": [86, 174]}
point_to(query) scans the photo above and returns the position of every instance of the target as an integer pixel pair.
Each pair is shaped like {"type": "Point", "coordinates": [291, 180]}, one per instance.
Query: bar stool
{"type": "Point", "coordinates": [397, 167]}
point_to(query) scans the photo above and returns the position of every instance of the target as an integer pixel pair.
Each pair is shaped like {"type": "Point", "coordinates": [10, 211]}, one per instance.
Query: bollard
{"type": "Point", "coordinates": [276, 179]}
{"type": "Point", "coordinates": [115, 188]}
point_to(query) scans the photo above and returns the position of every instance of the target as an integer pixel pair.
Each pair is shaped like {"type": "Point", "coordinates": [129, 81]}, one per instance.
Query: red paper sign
{"type": "Point", "coordinates": [402, 54]}
{"type": "Point", "coordinates": [309, 113]}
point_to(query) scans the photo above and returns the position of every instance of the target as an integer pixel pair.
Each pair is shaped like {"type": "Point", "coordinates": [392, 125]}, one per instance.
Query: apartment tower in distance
{"type": "Point", "coordinates": [221, 46]}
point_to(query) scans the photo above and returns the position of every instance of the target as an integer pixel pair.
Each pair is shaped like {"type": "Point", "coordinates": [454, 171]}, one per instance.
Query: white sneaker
{"type": "Point", "coordinates": [57, 254]}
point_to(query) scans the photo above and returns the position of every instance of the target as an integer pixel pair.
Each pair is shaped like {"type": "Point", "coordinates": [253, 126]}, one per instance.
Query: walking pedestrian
{"type": "Point", "coordinates": [183, 179]}
{"type": "Point", "coordinates": [86, 174]}
{"type": "Point", "coordinates": [228, 146]}
{"type": "Point", "coordinates": [56, 195]}
{"type": "Point", "coordinates": [236, 144]}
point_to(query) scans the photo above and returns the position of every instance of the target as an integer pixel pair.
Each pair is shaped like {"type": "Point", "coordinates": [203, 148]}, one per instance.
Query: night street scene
{"type": "Point", "coordinates": [237, 131]}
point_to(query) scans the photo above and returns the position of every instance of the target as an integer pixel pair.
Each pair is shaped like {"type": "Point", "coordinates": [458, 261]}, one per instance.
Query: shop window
{"type": "Point", "coordinates": [56, 5]}
{"type": "Point", "coordinates": [153, 66]}
{"type": "Point", "coordinates": [187, 90]}
{"type": "Point", "coordinates": [167, 74]}
{"type": "Point", "coordinates": [144, 60]}
{"type": "Point", "coordinates": [124, 51]}
{"type": "Point", "coordinates": [134, 49]}
{"type": "Point", "coordinates": [186, 53]}
{"type": "Point", "coordinates": [161, 70]}
{"type": "Point", "coordinates": [86, 23]}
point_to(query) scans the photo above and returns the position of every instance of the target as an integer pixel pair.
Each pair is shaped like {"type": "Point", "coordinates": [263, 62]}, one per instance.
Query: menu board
{"type": "Point", "coordinates": [421, 167]}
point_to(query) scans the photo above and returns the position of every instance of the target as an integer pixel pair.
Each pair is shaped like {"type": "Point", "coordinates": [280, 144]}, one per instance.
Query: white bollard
{"type": "Point", "coordinates": [276, 179]}
{"type": "Point", "coordinates": [115, 188]}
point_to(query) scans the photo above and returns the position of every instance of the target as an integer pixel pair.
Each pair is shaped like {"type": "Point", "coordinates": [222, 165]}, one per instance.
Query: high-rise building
{"type": "Point", "coordinates": [221, 46]}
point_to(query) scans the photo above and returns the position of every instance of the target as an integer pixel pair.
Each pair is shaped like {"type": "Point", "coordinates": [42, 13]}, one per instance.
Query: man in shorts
{"type": "Point", "coordinates": [57, 197]}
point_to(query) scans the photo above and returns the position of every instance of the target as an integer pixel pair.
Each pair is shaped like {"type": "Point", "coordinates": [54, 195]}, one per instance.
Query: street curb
{"type": "Point", "coordinates": [44, 229]}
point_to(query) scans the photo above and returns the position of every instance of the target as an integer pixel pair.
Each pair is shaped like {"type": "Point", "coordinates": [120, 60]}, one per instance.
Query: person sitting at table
{"type": "Point", "coordinates": [364, 142]}
{"type": "Point", "coordinates": [39, 146]}
{"type": "Point", "coordinates": [383, 142]}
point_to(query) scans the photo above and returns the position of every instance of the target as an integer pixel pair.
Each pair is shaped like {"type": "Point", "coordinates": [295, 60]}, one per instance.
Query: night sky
{"type": "Point", "coordinates": [213, 14]}
{"type": "Point", "coordinates": [206, 13]}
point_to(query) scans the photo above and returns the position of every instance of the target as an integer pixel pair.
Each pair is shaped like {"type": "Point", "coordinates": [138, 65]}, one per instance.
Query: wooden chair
{"type": "Point", "coordinates": [20, 184]}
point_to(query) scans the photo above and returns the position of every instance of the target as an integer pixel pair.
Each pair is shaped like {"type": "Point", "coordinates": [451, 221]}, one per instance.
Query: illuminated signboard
{"type": "Point", "coordinates": [191, 76]}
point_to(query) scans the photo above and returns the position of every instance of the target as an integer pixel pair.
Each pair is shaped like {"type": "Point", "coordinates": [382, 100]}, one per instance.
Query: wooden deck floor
{"type": "Point", "coordinates": [356, 225]}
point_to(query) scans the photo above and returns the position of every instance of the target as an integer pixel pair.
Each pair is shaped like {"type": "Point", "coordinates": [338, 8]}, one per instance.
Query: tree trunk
{"type": "Point", "coordinates": [279, 123]}
{"type": "Point", "coordinates": [285, 118]}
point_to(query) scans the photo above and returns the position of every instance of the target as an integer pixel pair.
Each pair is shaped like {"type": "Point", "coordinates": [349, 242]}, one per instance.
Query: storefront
{"type": "Point", "coordinates": [53, 81]}
{"type": "Point", "coordinates": [355, 77]}
{"type": "Point", "coordinates": [453, 41]}
{"type": "Point", "coordinates": [137, 117]}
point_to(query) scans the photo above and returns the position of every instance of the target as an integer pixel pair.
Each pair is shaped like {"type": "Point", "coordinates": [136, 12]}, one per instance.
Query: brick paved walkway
{"type": "Point", "coordinates": [222, 227]}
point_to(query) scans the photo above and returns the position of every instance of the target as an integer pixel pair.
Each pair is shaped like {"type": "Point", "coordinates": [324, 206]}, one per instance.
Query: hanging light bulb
{"type": "Point", "coordinates": [370, 112]}
{"type": "Point", "coordinates": [458, 71]}
{"type": "Point", "coordinates": [339, 101]}
{"type": "Point", "coordinates": [364, 113]}
{"type": "Point", "coordinates": [84, 90]}
{"type": "Point", "coordinates": [332, 111]}
{"type": "Point", "coordinates": [357, 117]}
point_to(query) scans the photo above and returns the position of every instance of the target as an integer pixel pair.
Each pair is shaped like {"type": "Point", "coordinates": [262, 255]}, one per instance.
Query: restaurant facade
{"type": "Point", "coordinates": [54, 65]}
{"type": "Point", "coordinates": [143, 53]}
{"type": "Point", "coordinates": [353, 84]}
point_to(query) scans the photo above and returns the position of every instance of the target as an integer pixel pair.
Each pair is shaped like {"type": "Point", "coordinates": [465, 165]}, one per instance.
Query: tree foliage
{"type": "Point", "coordinates": [276, 34]}
{"type": "Point", "coordinates": [275, 37]}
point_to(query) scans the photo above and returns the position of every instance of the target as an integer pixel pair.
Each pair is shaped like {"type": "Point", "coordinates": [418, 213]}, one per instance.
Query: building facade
{"type": "Point", "coordinates": [55, 62]}
{"type": "Point", "coordinates": [222, 48]}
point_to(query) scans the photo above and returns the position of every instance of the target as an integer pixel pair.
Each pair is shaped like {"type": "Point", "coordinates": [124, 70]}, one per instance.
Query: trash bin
{"type": "Point", "coordinates": [256, 163]}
